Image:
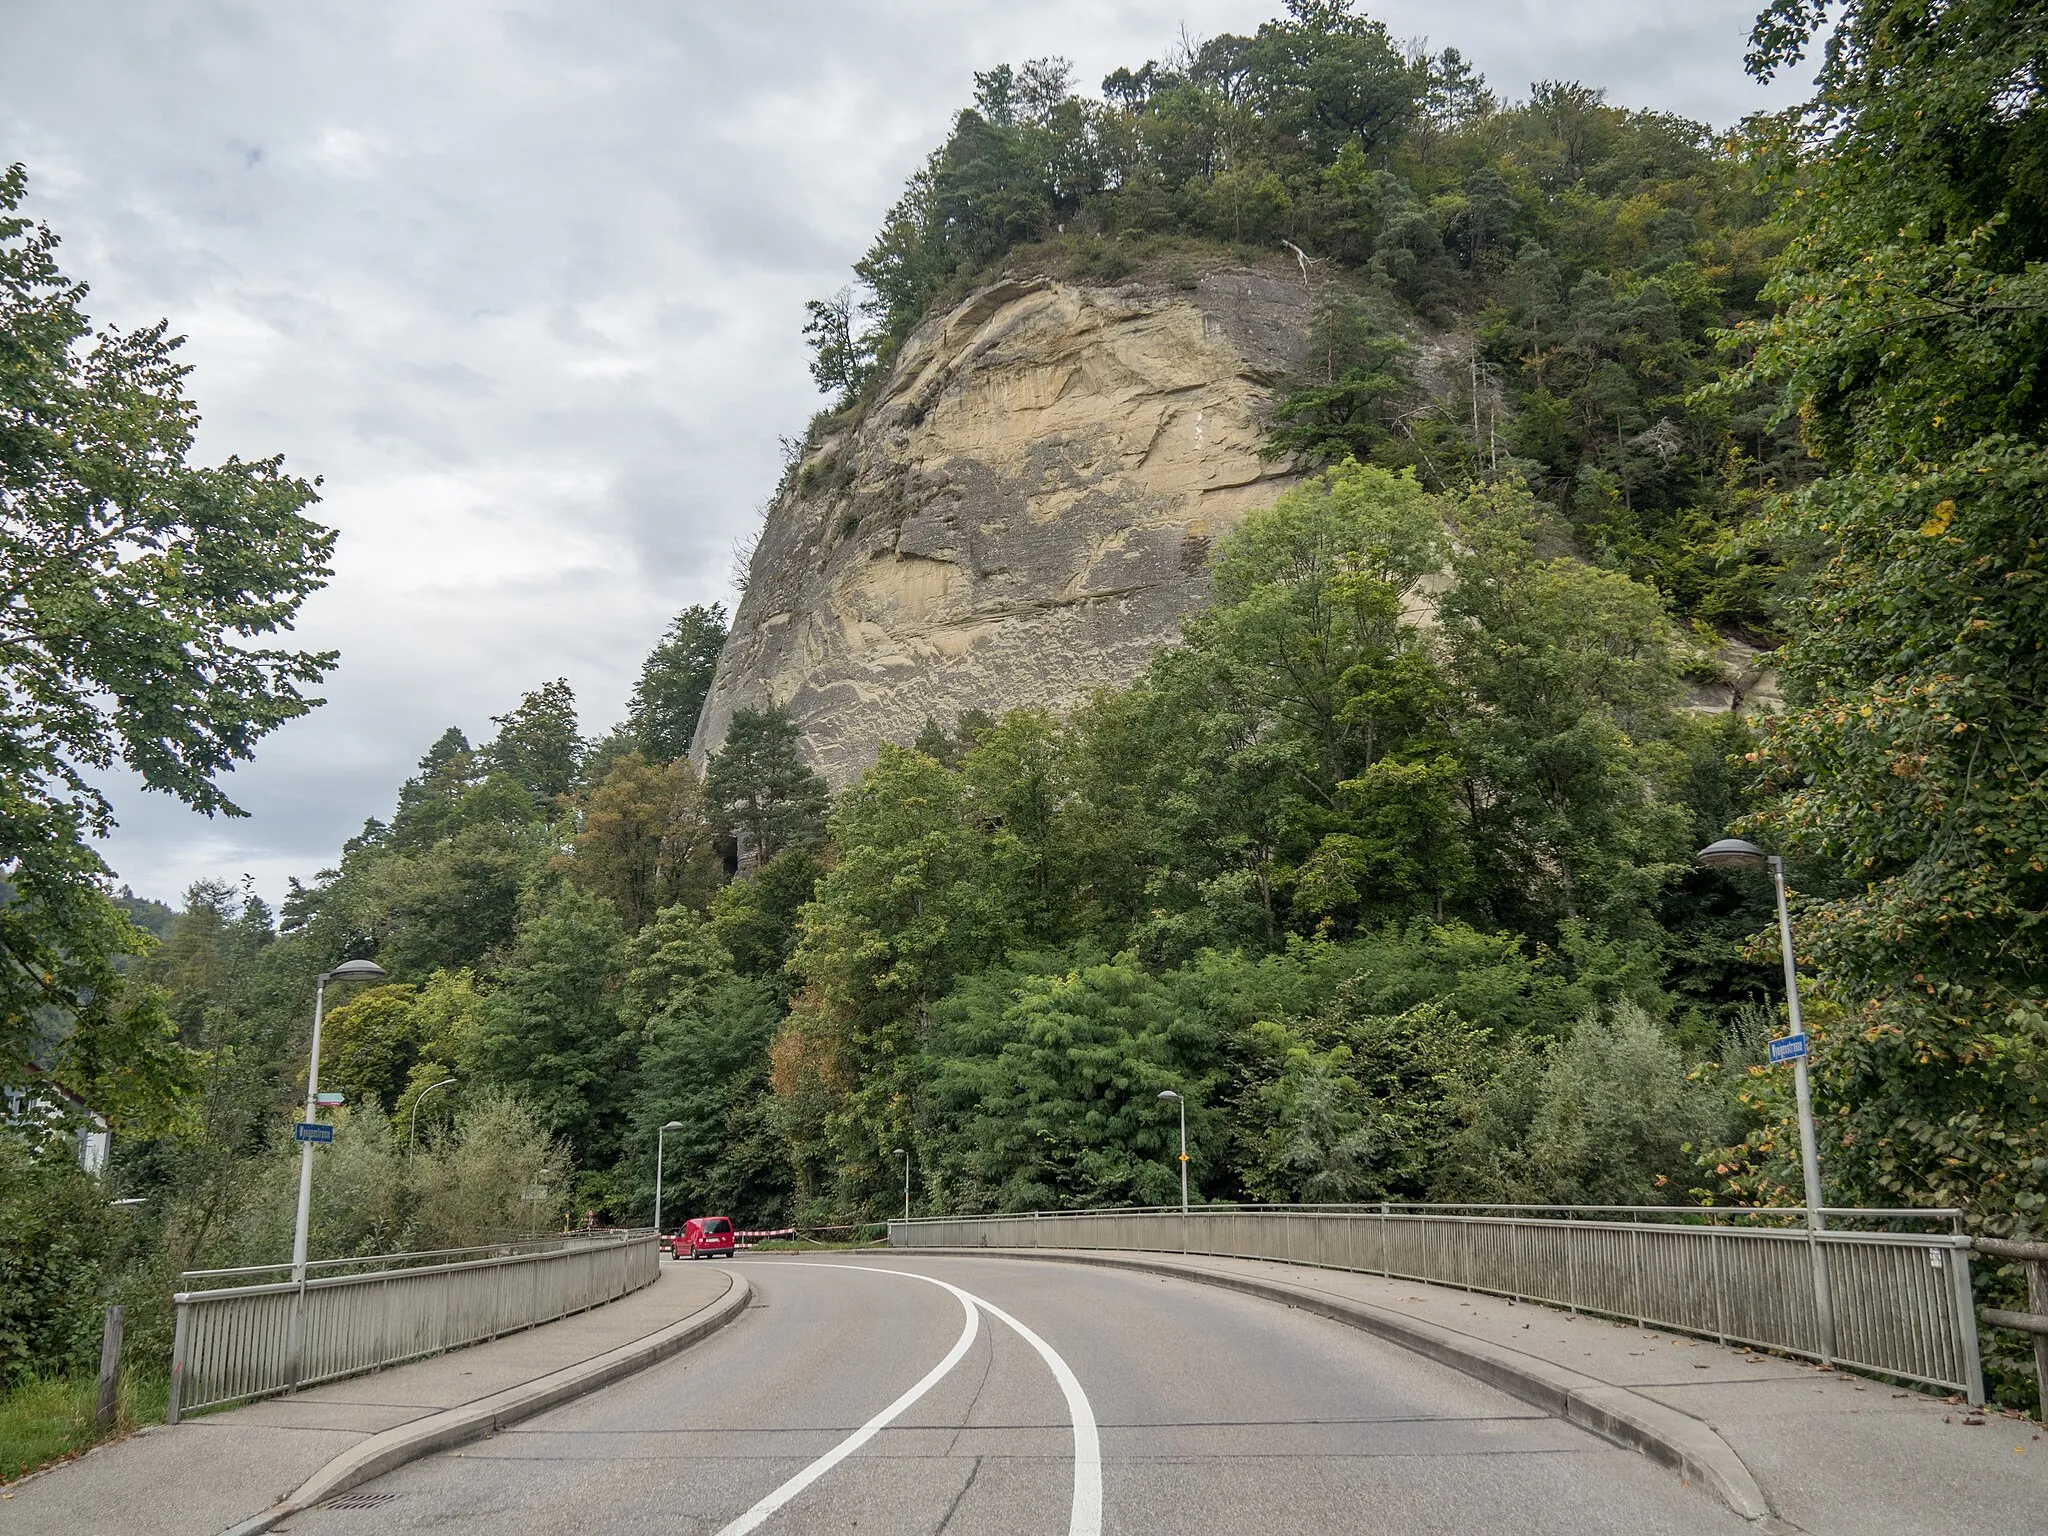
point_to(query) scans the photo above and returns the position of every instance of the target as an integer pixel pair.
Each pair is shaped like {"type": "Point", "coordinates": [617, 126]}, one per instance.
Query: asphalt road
{"type": "Point", "coordinates": [1030, 1399]}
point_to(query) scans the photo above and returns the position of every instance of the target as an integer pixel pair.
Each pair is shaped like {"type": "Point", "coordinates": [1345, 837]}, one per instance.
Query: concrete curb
{"type": "Point", "coordinates": [394, 1447]}
{"type": "Point", "coordinates": [1666, 1435]}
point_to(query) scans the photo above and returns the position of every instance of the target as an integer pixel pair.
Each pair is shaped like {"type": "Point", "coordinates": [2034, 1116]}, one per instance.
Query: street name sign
{"type": "Point", "coordinates": [329, 1100]}
{"type": "Point", "coordinates": [309, 1130]}
{"type": "Point", "coordinates": [1787, 1048]}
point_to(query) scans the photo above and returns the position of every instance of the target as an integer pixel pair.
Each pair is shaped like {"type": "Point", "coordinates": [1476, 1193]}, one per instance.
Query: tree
{"type": "Point", "coordinates": [662, 714]}
{"type": "Point", "coordinates": [428, 802]}
{"type": "Point", "coordinates": [1335, 77]}
{"type": "Point", "coordinates": [913, 903]}
{"type": "Point", "coordinates": [842, 357]}
{"type": "Point", "coordinates": [1060, 1089]}
{"type": "Point", "coordinates": [1571, 681]}
{"type": "Point", "coordinates": [760, 786]}
{"type": "Point", "coordinates": [705, 1057]}
{"type": "Point", "coordinates": [1323, 702]}
{"type": "Point", "coordinates": [645, 839]}
{"type": "Point", "coordinates": [756, 920]}
{"type": "Point", "coordinates": [57, 1249]}
{"type": "Point", "coordinates": [551, 1032]}
{"type": "Point", "coordinates": [537, 746]}
{"type": "Point", "coordinates": [135, 592]}
{"type": "Point", "coordinates": [389, 1042]}
{"type": "Point", "coordinates": [1911, 758]}
{"type": "Point", "coordinates": [369, 1045]}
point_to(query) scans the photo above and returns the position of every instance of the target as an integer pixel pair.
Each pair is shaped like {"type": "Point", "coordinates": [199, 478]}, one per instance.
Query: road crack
{"type": "Point", "coordinates": [953, 1508]}
{"type": "Point", "coordinates": [988, 1362]}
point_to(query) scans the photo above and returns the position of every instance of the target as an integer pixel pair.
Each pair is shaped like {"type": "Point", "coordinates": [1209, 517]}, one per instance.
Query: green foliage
{"type": "Point", "coordinates": [137, 590]}
{"type": "Point", "coordinates": [842, 355]}
{"type": "Point", "coordinates": [551, 1031]}
{"type": "Point", "coordinates": [756, 920]}
{"type": "Point", "coordinates": [59, 1245]}
{"type": "Point", "coordinates": [1911, 760]}
{"type": "Point", "coordinates": [371, 1195]}
{"type": "Point", "coordinates": [761, 788]}
{"type": "Point", "coordinates": [1570, 681]}
{"type": "Point", "coordinates": [537, 747]}
{"type": "Point", "coordinates": [441, 887]}
{"type": "Point", "coordinates": [1060, 1091]}
{"type": "Point", "coordinates": [1350, 1107]}
{"type": "Point", "coordinates": [386, 1043]}
{"type": "Point", "coordinates": [1617, 1120]}
{"type": "Point", "coordinates": [913, 903]}
{"type": "Point", "coordinates": [496, 1171]}
{"type": "Point", "coordinates": [1352, 413]}
{"type": "Point", "coordinates": [645, 839]}
{"type": "Point", "coordinates": [662, 714]}
{"type": "Point", "coordinates": [704, 1063]}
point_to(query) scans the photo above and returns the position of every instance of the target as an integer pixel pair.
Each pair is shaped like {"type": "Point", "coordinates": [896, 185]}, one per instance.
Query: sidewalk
{"type": "Point", "coordinates": [1830, 1453]}
{"type": "Point", "coordinates": [212, 1473]}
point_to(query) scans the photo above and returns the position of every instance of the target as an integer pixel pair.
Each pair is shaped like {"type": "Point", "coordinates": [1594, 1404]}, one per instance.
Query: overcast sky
{"type": "Point", "coordinates": [524, 283]}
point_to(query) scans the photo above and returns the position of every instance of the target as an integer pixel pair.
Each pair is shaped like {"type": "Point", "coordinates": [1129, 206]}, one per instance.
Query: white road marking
{"type": "Point", "coordinates": [1085, 1517]}
{"type": "Point", "coordinates": [752, 1519]}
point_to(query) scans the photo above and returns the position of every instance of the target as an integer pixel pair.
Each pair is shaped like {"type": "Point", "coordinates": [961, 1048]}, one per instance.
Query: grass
{"type": "Point", "coordinates": [42, 1422]}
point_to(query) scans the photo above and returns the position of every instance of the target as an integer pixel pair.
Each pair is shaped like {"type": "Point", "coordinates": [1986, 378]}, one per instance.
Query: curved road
{"type": "Point", "coordinates": [885, 1393]}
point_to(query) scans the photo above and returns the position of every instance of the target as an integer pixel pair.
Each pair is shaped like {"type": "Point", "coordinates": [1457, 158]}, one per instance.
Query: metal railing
{"type": "Point", "coordinates": [2034, 1255]}
{"type": "Point", "coordinates": [383, 1261]}
{"type": "Point", "coordinates": [1901, 1303]}
{"type": "Point", "coordinates": [255, 1340]}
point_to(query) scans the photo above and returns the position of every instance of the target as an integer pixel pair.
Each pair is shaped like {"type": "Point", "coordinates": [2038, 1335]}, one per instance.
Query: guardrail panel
{"type": "Point", "coordinates": [237, 1344]}
{"type": "Point", "coordinates": [1899, 1299]}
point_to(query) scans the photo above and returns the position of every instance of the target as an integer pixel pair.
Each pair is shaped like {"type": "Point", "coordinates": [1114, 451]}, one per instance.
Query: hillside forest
{"type": "Point", "coordinates": [1387, 866]}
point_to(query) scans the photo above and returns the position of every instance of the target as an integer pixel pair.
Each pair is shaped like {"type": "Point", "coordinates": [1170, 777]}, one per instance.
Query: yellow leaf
{"type": "Point", "coordinates": [1937, 525]}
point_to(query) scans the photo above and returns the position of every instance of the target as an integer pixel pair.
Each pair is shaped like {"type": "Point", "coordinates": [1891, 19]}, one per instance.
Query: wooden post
{"type": "Point", "coordinates": [108, 1404]}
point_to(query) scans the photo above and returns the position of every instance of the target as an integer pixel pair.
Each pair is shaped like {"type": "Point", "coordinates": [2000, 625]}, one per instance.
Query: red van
{"type": "Point", "coordinates": [702, 1235]}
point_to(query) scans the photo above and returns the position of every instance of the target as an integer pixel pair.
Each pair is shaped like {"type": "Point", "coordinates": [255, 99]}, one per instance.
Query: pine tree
{"type": "Point", "coordinates": [760, 787]}
{"type": "Point", "coordinates": [662, 715]}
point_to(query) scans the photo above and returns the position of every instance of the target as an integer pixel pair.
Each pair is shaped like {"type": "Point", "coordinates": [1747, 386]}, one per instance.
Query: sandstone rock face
{"type": "Point", "coordinates": [1023, 515]}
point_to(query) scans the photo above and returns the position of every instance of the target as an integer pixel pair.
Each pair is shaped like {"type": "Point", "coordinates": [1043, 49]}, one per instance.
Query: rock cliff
{"type": "Point", "coordinates": [1021, 514]}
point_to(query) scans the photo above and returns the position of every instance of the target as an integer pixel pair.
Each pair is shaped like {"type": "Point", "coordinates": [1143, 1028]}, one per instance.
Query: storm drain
{"type": "Point", "coordinates": [359, 1501]}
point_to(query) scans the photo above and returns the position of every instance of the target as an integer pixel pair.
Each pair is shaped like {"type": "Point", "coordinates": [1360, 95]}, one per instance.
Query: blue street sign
{"type": "Point", "coordinates": [309, 1130]}
{"type": "Point", "coordinates": [1787, 1048]}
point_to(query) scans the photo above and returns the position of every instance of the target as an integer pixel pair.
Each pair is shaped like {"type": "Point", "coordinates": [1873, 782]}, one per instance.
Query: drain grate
{"type": "Point", "coordinates": [359, 1501]}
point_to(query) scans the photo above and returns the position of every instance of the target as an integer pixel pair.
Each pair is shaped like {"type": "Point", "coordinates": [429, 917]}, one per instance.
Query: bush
{"type": "Point", "coordinates": [1609, 1116]}
{"type": "Point", "coordinates": [370, 1197]}
{"type": "Point", "coordinates": [60, 1247]}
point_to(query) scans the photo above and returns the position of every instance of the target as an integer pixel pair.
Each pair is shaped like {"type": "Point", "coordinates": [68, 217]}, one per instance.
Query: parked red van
{"type": "Point", "coordinates": [702, 1235]}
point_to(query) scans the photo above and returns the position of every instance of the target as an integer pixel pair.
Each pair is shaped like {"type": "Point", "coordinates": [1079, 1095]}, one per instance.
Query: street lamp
{"type": "Point", "coordinates": [1183, 1103]}
{"type": "Point", "coordinates": [906, 1181]}
{"type": "Point", "coordinates": [412, 1139]}
{"type": "Point", "coordinates": [659, 1137]}
{"type": "Point", "coordinates": [1734, 853]}
{"type": "Point", "coordinates": [348, 970]}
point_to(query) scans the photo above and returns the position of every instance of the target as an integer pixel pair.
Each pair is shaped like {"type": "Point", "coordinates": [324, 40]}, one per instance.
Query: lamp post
{"type": "Point", "coordinates": [1183, 1103]}
{"type": "Point", "coordinates": [659, 1137]}
{"type": "Point", "coordinates": [412, 1140]}
{"type": "Point", "coordinates": [348, 970]}
{"type": "Point", "coordinates": [1734, 853]}
{"type": "Point", "coordinates": [900, 1152]}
